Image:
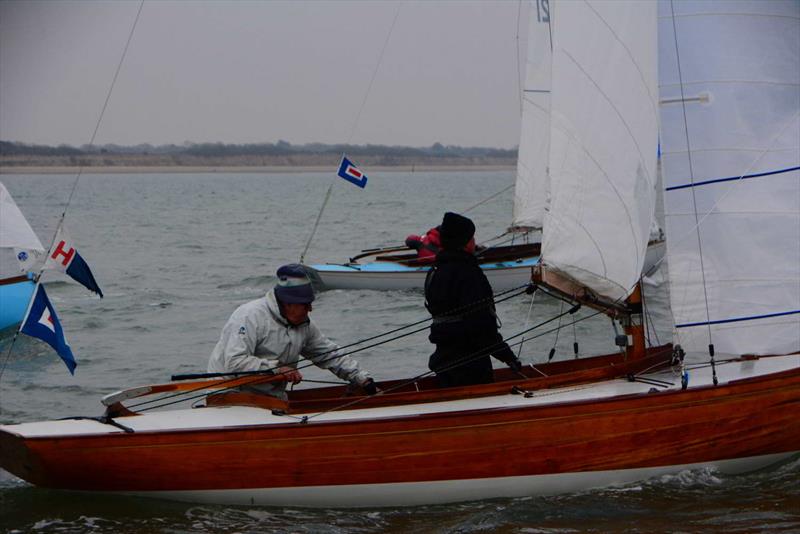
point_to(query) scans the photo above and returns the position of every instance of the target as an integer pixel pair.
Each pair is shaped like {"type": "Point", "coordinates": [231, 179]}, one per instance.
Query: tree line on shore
{"type": "Point", "coordinates": [281, 148]}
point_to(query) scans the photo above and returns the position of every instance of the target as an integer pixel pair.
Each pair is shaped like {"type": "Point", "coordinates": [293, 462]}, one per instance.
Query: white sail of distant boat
{"type": "Point", "coordinates": [15, 232]}
{"type": "Point", "coordinates": [572, 425]}
{"type": "Point", "coordinates": [603, 144]}
{"type": "Point", "coordinates": [731, 157]}
{"type": "Point", "coordinates": [17, 240]}
{"type": "Point", "coordinates": [532, 184]}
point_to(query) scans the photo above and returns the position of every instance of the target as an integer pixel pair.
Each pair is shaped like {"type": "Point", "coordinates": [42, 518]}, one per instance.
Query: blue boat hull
{"type": "Point", "coordinates": [15, 293]}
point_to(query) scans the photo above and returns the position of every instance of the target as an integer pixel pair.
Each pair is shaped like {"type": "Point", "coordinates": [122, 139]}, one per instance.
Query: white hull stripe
{"type": "Point", "coordinates": [446, 491]}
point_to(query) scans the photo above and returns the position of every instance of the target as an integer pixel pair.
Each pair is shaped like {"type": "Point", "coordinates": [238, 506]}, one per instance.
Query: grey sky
{"type": "Point", "coordinates": [255, 71]}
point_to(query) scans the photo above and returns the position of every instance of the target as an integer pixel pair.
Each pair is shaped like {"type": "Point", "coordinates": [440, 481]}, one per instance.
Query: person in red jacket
{"type": "Point", "coordinates": [427, 246]}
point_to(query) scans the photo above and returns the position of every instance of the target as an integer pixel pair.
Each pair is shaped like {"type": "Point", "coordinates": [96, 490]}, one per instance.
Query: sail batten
{"type": "Point", "coordinates": [603, 143]}
{"type": "Point", "coordinates": [732, 173]}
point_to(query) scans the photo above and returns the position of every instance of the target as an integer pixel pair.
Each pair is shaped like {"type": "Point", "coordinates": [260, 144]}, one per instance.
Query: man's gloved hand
{"type": "Point", "coordinates": [369, 387]}
{"type": "Point", "coordinates": [515, 365]}
{"type": "Point", "coordinates": [290, 374]}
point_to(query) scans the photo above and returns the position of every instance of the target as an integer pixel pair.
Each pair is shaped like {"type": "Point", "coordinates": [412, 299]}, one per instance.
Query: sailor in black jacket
{"type": "Point", "coordinates": [460, 299]}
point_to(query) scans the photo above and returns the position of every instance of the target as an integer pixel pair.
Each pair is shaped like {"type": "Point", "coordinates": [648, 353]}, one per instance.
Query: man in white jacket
{"type": "Point", "coordinates": [272, 332]}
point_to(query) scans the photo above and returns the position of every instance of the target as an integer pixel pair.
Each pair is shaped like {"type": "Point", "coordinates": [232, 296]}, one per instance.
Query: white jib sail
{"type": "Point", "coordinates": [732, 194]}
{"type": "Point", "coordinates": [603, 143]}
{"type": "Point", "coordinates": [15, 232]}
{"type": "Point", "coordinates": [531, 189]}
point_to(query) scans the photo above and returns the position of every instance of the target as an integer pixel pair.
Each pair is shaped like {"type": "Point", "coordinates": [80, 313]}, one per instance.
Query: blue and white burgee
{"type": "Point", "coordinates": [64, 257]}
{"type": "Point", "coordinates": [42, 322]}
{"type": "Point", "coordinates": [350, 172]}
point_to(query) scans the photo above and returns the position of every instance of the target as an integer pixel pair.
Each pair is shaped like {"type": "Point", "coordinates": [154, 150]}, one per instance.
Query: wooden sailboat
{"type": "Point", "coordinates": [17, 239]}
{"type": "Point", "coordinates": [570, 425]}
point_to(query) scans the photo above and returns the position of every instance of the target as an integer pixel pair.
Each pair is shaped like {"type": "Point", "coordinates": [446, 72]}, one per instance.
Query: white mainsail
{"type": "Point", "coordinates": [603, 143]}
{"type": "Point", "coordinates": [531, 189]}
{"type": "Point", "coordinates": [730, 113]}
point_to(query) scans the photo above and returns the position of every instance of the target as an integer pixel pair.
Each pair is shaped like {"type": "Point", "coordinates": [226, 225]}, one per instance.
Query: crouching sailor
{"type": "Point", "coordinates": [272, 332]}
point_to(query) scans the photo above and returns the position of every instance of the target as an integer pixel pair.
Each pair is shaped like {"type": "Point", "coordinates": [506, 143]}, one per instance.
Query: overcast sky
{"type": "Point", "coordinates": [253, 71]}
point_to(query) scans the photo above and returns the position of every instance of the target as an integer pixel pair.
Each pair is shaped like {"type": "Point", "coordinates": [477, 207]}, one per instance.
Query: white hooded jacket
{"type": "Point", "coordinates": [258, 337]}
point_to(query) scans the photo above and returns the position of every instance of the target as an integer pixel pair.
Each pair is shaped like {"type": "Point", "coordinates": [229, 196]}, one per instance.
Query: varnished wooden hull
{"type": "Point", "coordinates": [748, 422]}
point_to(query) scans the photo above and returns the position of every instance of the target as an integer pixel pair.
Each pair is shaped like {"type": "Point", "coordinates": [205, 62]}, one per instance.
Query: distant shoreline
{"type": "Point", "coordinates": [274, 169]}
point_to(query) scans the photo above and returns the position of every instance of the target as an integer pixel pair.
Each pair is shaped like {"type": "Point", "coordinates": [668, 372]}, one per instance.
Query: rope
{"type": "Point", "coordinates": [333, 353]}
{"type": "Point", "coordinates": [484, 201]}
{"type": "Point", "coordinates": [353, 129]}
{"type": "Point", "coordinates": [461, 361]}
{"type": "Point", "coordinates": [527, 321]}
{"type": "Point", "coordinates": [77, 178]}
{"type": "Point", "coordinates": [520, 88]}
{"type": "Point", "coordinates": [316, 223]}
{"type": "Point", "coordinates": [413, 380]}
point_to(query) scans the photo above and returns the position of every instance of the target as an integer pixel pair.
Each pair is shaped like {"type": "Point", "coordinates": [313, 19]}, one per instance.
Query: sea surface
{"type": "Point", "coordinates": [175, 254]}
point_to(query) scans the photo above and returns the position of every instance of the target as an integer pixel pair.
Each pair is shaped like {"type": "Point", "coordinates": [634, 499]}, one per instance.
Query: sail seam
{"type": "Point", "coordinates": [737, 319]}
{"type": "Point", "coordinates": [652, 99]}
{"type": "Point", "coordinates": [600, 167]}
{"type": "Point", "coordinates": [732, 178]}
{"type": "Point", "coordinates": [759, 150]}
{"type": "Point", "coordinates": [719, 82]}
{"type": "Point", "coordinates": [736, 14]}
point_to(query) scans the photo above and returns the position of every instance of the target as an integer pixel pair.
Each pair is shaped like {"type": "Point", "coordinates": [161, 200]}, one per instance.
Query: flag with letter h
{"type": "Point", "coordinates": [42, 322]}
{"type": "Point", "coordinates": [350, 172]}
{"type": "Point", "coordinates": [64, 257]}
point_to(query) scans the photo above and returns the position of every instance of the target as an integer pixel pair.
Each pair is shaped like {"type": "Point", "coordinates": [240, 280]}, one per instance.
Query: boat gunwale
{"type": "Point", "coordinates": [321, 428]}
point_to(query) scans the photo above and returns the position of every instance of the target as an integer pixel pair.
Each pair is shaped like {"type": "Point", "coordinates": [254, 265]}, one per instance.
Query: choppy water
{"type": "Point", "coordinates": [176, 253]}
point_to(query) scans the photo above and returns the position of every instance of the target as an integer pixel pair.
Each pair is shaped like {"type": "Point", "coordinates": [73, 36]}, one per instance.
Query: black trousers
{"type": "Point", "coordinates": [459, 365]}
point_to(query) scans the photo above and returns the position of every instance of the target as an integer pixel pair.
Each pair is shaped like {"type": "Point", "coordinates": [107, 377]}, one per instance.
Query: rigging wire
{"type": "Point", "coordinates": [649, 321]}
{"type": "Point", "coordinates": [694, 198]}
{"type": "Point", "coordinates": [558, 330]}
{"type": "Point", "coordinates": [387, 390]}
{"type": "Point", "coordinates": [38, 276]}
{"type": "Point", "coordinates": [338, 352]}
{"type": "Point", "coordinates": [415, 379]}
{"type": "Point", "coordinates": [712, 208]}
{"type": "Point", "coordinates": [519, 69]}
{"type": "Point", "coordinates": [527, 321]}
{"type": "Point", "coordinates": [353, 129]}
{"type": "Point", "coordinates": [492, 197]}
{"type": "Point", "coordinates": [456, 363]}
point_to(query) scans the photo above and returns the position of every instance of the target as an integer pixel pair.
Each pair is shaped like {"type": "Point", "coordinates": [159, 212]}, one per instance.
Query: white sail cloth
{"type": "Point", "coordinates": [732, 198]}
{"type": "Point", "coordinates": [532, 185]}
{"type": "Point", "coordinates": [603, 144]}
{"type": "Point", "coordinates": [15, 232]}
{"type": "Point", "coordinates": [17, 238]}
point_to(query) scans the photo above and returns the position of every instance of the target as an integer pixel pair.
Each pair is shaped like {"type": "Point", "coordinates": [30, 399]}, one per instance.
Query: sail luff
{"type": "Point", "coordinates": [603, 143]}
{"type": "Point", "coordinates": [531, 188]}
{"type": "Point", "coordinates": [731, 156]}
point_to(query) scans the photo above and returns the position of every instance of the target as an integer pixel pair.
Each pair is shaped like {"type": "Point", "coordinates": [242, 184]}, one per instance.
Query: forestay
{"type": "Point", "coordinates": [731, 152]}
{"type": "Point", "coordinates": [603, 143]}
{"type": "Point", "coordinates": [532, 185]}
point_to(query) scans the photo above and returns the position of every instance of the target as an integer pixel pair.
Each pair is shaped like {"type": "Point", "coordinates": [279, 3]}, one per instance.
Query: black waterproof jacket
{"type": "Point", "coordinates": [464, 329]}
